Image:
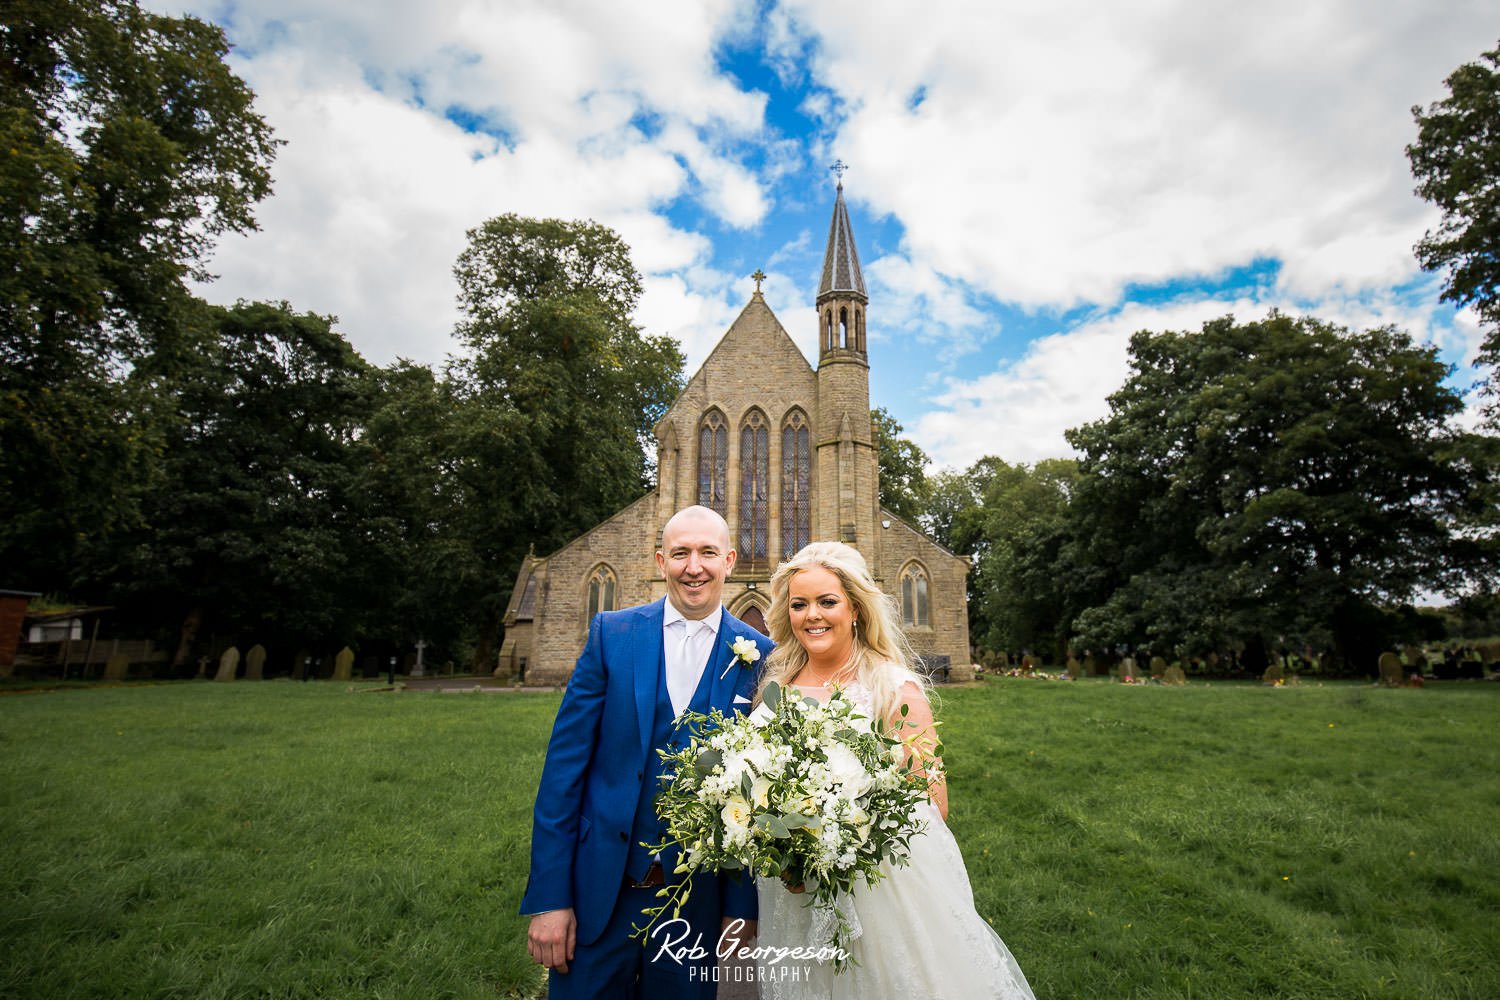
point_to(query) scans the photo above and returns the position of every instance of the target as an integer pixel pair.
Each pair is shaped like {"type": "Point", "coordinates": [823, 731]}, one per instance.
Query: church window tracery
{"type": "Point", "coordinates": [755, 487]}
{"type": "Point", "coordinates": [601, 591]}
{"type": "Point", "coordinates": [914, 608]}
{"type": "Point", "coordinates": [713, 462]}
{"type": "Point", "coordinates": [796, 485]}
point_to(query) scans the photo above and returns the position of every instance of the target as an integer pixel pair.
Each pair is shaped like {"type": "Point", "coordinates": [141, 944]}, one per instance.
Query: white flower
{"type": "Point", "coordinates": [736, 814]}
{"type": "Point", "coordinates": [745, 650]}
{"type": "Point", "coordinates": [848, 771]}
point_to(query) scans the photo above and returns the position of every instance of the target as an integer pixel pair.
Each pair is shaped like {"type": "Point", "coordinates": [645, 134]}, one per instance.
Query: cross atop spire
{"type": "Point", "coordinates": [838, 167]}
{"type": "Point", "coordinates": [759, 276]}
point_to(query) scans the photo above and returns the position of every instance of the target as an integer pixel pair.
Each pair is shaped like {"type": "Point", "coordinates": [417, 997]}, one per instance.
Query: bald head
{"type": "Point", "coordinates": [695, 560]}
{"type": "Point", "coordinates": [696, 516]}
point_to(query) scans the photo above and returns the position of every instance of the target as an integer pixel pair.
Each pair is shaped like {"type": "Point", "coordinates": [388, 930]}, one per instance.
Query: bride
{"type": "Point", "coordinates": [918, 934]}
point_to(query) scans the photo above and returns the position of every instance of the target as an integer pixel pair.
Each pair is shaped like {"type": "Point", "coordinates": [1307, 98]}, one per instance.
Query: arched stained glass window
{"type": "Point", "coordinates": [755, 487]}
{"type": "Point", "coordinates": [914, 609]}
{"type": "Point", "coordinates": [601, 591]}
{"type": "Point", "coordinates": [796, 485]}
{"type": "Point", "coordinates": [713, 462]}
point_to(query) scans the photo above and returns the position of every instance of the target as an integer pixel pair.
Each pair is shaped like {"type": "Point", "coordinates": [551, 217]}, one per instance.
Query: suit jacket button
{"type": "Point", "coordinates": [624, 835]}
{"type": "Point", "coordinates": [640, 776]}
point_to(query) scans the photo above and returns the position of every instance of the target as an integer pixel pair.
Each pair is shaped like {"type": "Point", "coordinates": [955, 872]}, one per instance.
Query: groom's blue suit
{"type": "Point", "coordinates": [592, 807]}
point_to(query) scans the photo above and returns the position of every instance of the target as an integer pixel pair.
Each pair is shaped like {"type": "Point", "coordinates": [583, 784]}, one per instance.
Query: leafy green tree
{"type": "Point", "coordinates": [409, 500]}
{"type": "Point", "coordinates": [903, 468]}
{"type": "Point", "coordinates": [129, 147]}
{"type": "Point", "coordinates": [1456, 162]}
{"type": "Point", "coordinates": [1011, 521]}
{"type": "Point", "coordinates": [1018, 584]}
{"type": "Point", "coordinates": [254, 528]}
{"type": "Point", "coordinates": [555, 395]}
{"type": "Point", "coordinates": [1284, 478]}
{"type": "Point", "coordinates": [954, 502]}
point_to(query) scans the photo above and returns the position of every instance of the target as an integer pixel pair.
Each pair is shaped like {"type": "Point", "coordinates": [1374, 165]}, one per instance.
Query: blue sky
{"type": "Point", "coordinates": [1028, 186]}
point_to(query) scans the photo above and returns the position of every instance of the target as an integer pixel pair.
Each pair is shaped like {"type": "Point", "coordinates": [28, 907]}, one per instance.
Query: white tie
{"type": "Point", "coordinates": [683, 677]}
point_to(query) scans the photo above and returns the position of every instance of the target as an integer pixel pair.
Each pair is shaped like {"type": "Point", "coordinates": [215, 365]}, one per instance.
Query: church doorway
{"type": "Point", "coordinates": [755, 619]}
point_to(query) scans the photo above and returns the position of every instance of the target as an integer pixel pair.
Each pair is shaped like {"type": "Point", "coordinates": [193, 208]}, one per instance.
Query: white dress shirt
{"type": "Point", "coordinates": [687, 652]}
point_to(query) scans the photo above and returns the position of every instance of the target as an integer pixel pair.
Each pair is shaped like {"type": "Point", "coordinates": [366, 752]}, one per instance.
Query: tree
{"type": "Point", "coordinates": [903, 468]}
{"type": "Point", "coordinates": [1281, 478]}
{"type": "Point", "coordinates": [409, 507]}
{"type": "Point", "coordinates": [129, 147]}
{"type": "Point", "coordinates": [1017, 587]}
{"type": "Point", "coordinates": [254, 528]}
{"type": "Point", "coordinates": [556, 393]}
{"type": "Point", "coordinates": [1456, 162]}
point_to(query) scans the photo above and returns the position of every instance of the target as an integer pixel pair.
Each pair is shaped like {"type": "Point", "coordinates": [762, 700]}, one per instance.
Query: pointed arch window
{"type": "Point", "coordinates": [914, 607]}
{"type": "Point", "coordinates": [755, 486]}
{"type": "Point", "coordinates": [713, 462]}
{"type": "Point", "coordinates": [602, 591]}
{"type": "Point", "coordinates": [796, 485]}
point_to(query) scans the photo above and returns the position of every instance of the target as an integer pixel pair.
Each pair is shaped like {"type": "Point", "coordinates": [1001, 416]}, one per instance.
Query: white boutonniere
{"type": "Point", "coordinates": [745, 651]}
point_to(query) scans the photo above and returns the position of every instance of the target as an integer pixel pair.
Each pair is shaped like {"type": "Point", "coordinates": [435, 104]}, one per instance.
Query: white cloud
{"type": "Point", "coordinates": [1052, 156]}
{"type": "Point", "coordinates": [600, 111]}
{"type": "Point", "coordinates": [1020, 410]}
{"type": "Point", "coordinates": [918, 301]}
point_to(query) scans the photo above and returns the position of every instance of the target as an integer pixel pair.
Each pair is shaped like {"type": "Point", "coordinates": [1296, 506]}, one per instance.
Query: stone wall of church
{"type": "Point", "coordinates": [627, 544]}
{"type": "Point", "coordinates": [947, 633]}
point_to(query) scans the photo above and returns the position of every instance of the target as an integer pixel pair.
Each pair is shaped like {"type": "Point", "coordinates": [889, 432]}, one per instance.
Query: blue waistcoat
{"type": "Point", "coordinates": [647, 828]}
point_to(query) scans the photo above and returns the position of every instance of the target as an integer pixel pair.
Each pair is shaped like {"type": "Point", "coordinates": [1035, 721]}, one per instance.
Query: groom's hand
{"type": "Point", "coordinates": [738, 930]}
{"type": "Point", "coordinates": [551, 937]}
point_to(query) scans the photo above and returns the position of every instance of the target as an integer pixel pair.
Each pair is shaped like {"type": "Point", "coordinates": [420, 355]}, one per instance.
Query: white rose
{"type": "Point", "coordinates": [735, 814]}
{"type": "Point", "coordinates": [847, 771]}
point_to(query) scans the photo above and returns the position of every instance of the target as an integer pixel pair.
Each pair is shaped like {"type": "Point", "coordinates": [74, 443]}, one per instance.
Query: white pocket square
{"type": "Point", "coordinates": [740, 699]}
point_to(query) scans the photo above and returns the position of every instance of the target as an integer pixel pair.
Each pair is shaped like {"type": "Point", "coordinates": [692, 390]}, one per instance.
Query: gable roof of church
{"type": "Point", "coordinates": [841, 274]}
{"type": "Point", "coordinates": [748, 336]}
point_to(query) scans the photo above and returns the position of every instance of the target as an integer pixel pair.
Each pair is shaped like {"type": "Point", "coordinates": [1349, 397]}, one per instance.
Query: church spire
{"type": "Point", "coordinates": [841, 274]}
{"type": "Point", "coordinates": [841, 298]}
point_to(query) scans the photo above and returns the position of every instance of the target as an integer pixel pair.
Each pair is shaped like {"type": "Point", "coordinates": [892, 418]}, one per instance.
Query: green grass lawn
{"type": "Point", "coordinates": [298, 840]}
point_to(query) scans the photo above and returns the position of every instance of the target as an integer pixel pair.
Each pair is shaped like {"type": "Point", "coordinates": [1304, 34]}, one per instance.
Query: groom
{"type": "Point", "coordinates": [591, 876]}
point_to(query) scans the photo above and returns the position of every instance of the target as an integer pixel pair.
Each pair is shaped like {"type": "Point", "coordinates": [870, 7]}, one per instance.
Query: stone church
{"type": "Point", "coordinates": [786, 453]}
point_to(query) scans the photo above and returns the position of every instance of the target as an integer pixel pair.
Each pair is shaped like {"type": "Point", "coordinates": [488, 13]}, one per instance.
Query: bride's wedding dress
{"type": "Point", "coordinates": [919, 934]}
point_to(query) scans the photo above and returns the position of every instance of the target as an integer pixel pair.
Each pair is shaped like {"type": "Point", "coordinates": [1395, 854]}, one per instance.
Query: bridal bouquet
{"type": "Point", "coordinates": [814, 794]}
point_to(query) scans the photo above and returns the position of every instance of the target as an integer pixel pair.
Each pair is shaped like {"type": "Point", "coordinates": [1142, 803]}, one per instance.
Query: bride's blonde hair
{"type": "Point", "coordinates": [882, 656]}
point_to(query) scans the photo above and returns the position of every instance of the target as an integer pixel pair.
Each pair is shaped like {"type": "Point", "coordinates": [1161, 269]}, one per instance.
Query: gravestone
{"type": "Point", "coordinates": [1275, 672]}
{"type": "Point", "coordinates": [1173, 675]}
{"type": "Point", "coordinates": [255, 663]}
{"type": "Point", "coordinates": [116, 667]}
{"type": "Point", "coordinates": [343, 664]}
{"type": "Point", "coordinates": [1075, 669]}
{"type": "Point", "coordinates": [1391, 672]}
{"type": "Point", "coordinates": [229, 663]}
{"type": "Point", "coordinates": [1159, 667]}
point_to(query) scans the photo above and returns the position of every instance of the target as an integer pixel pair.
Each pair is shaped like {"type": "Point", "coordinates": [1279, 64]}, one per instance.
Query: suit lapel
{"type": "Point", "coordinates": [723, 665]}
{"type": "Point", "coordinates": [647, 665]}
